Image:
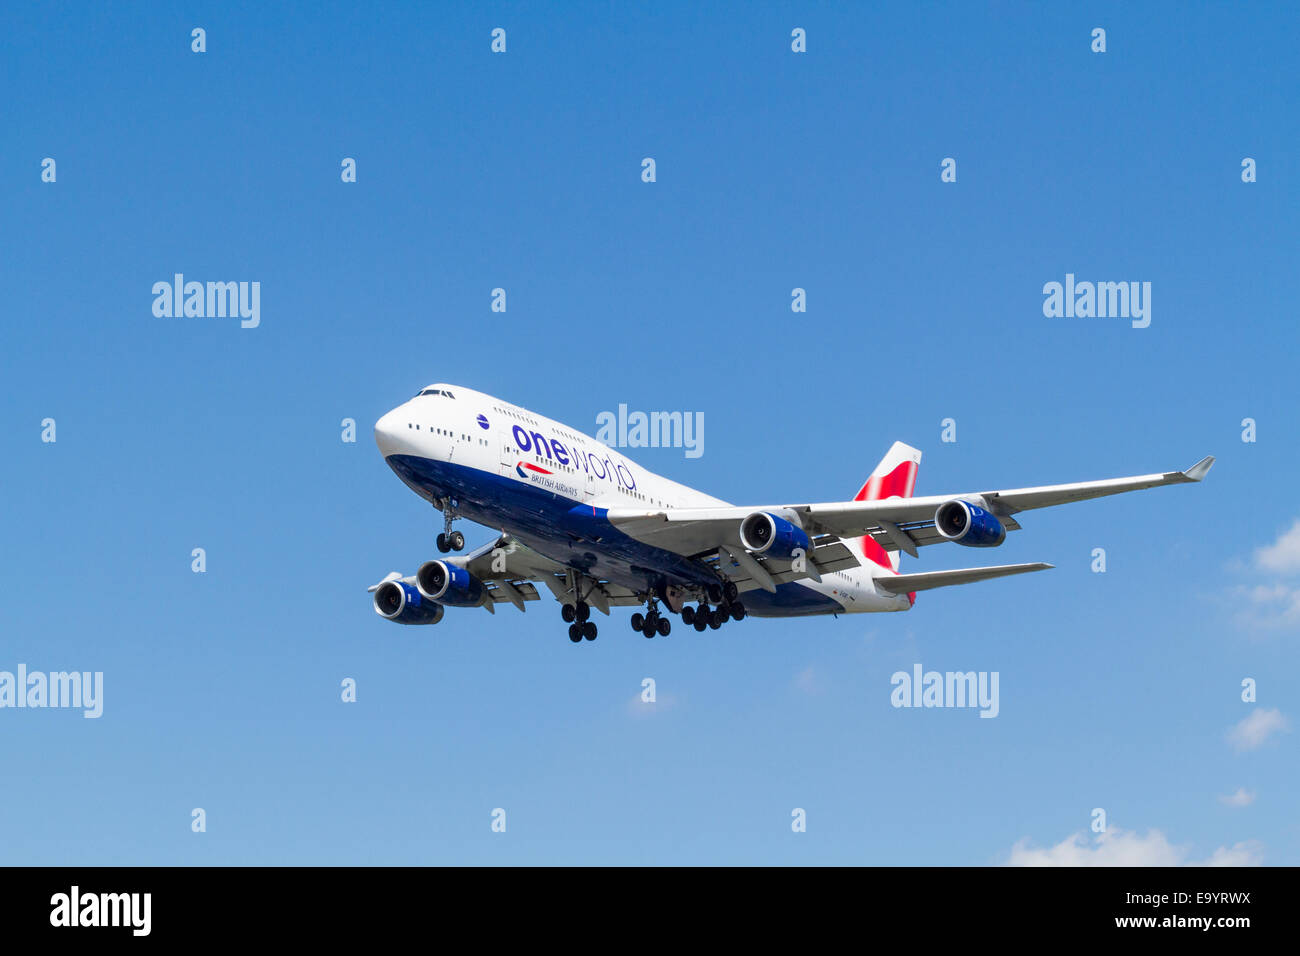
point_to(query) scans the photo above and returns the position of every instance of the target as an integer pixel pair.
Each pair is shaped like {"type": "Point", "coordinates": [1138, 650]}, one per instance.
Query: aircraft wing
{"type": "Point", "coordinates": [895, 523]}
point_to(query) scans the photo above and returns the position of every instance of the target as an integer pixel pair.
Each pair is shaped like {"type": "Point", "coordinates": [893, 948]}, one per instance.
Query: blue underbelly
{"type": "Point", "coordinates": [552, 524]}
{"type": "Point", "coordinates": [580, 536]}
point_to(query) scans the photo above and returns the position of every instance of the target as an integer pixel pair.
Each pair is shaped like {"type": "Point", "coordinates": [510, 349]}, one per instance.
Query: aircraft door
{"type": "Point", "coordinates": [505, 453]}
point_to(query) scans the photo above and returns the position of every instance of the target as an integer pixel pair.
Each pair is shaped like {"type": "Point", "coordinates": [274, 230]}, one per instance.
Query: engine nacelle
{"type": "Point", "coordinates": [401, 603]}
{"type": "Point", "coordinates": [969, 524]}
{"type": "Point", "coordinates": [771, 535]}
{"type": "Point", "coordinates": [448, 584]}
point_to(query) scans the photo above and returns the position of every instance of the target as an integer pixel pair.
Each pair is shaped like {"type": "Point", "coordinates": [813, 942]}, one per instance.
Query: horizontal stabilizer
{"type": "Point", "coordinates": [925, 581]}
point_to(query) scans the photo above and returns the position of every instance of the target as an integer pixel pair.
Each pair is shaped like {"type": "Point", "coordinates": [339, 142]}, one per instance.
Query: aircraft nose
{"type": "Point", "coordinates": [388, 431]}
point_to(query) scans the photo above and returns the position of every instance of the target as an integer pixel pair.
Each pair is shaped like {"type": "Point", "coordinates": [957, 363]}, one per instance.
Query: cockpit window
{"type": "Point", "coordinates": [435, 391]}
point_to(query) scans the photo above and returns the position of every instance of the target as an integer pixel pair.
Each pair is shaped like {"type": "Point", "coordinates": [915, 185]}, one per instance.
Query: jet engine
{"type": "Point", "coordinates": [448, 584]}
{"type": "Point", "coordinates": [771, 535]}
{"type": "Point", "coordinates": [401, 603]}
{"type": "Point", "coordinates": [969, 524]}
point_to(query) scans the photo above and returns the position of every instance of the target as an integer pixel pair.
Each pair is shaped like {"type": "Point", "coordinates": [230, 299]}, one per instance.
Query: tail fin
{"type": "Point", "coordinates": [894, 477]}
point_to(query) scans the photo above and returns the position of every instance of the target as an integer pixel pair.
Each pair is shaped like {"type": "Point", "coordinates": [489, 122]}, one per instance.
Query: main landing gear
{"type": "Point", "coordinates": [724, 597]}
{"type": "Point", "coordinates": [652, 622]}
{"type": "Point", "coordinates": [728, 607]}
{"type": "Point", "coordinates": [449, 540]}
{"type": "Point", "coordinates": [578, 617]}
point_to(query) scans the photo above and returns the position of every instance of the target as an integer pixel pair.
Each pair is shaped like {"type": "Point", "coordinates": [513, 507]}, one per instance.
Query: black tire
{"type": "Point", "coordinates": [575, 632]}
{"type": "Point", "coordinates": [701, 624]}
{"type": "Point", "coordinates": [589, 630]}
{"type": "Point", "coordinates": [664, 625]}
{"type": "Point", "coordinates": [714, 593]}
{"type": "Point", "coordinates": [568, 613]}
{"type": "Point", "coordinates": [716, 618]}
{"type": "Point", "coordinates": [730, 591]}
{"type": "Point", "coordinates": [584, 610]}
{"type": "Point", "coordinates": [688, 615]}
{"type": "Point", "coordinates": [638, 621]}
{"type": "Point", "coordinates": [456, 541]}
{"type": "Point", "coordinates": [648, 629]}
{"type": "Point", "coordinates": [442, 543]}
{"type": "Point", "coordinates": [737, 611]}
{"type": "Point", "coordinates": [702, 612]}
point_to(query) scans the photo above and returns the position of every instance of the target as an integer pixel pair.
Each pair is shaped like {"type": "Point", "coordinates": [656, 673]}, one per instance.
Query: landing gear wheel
{"type": "Point", "coordinates": [737, 611]}
{"type": "Point", "coordinates": [584, 610]}
{"type": "Point", "coordinates": [714, 593]}
{"type": "Point", "coordinates": [716, 618]}
{"type": "Point", "coordinates": [688, 615]}
{"type": "Point", "coordinates": [568, 613]}
{"type": "Point", "coordinates": [730, 591]}
{"type": "Point", "coordinates": [589, 630]}
{"type": "Point", "coordinates": [701, 623]}
{"type": "Point", "coordinates": [650, 625]}
{"type": "Point", "coordinates": [456, 541]}
{"type": "Point", "coordinates": [638, 621]}
{"type": "Point", "coordinates": [664, 625]}
{"type": "Point", "coordinates": [575, 632]}
{"type": "Point", "coordinates": [442, 543]}
{"type": "Point", "coordinates": [702, 613]}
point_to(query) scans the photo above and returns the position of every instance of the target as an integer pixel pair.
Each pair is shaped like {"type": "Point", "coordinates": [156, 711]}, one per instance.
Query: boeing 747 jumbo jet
{"type": "Point", "coordinates": [598, 531]}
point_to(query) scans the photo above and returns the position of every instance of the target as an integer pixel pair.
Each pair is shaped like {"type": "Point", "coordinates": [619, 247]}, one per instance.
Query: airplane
{"type": "Point", "coordinates": [597, 531]}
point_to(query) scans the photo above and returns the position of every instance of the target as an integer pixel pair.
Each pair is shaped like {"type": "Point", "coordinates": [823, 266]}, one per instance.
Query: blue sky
{"type": "Point", "coordinates": [775, 170]}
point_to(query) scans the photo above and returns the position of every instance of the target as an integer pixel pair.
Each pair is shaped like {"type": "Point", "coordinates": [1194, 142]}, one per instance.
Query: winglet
{"type": "Point", "coordinates": [1199, 470]}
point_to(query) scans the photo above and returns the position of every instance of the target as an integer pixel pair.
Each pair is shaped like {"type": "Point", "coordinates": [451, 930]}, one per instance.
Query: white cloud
{"type": "Point", "coordinates": [807, 681]}
{"type": "Point", "coordinates": [1117, 847]}
{"type": "Point", "coordinates": [1283, 555]}
{"type": "Point", "coordinates": [1242, 798]}
{"type": "Point", "coordinates": [1245, 853]}
{"type": "Point", "coordinates": [636, 707]}
{"type": "Point", "coordinates": [1253, 731]}
{"type": "Point", "coordinates": [1273, 603]}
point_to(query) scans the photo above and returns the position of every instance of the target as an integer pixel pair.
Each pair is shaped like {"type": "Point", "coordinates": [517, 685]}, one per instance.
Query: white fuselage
{"type": "Point", "coordinates": [511, 469]}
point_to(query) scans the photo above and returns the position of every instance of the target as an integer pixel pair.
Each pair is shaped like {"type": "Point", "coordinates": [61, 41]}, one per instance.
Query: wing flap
{"type": "Point", "coordinates": [511, 572]}
{"type": "Point", "coordinates": [829, 554]}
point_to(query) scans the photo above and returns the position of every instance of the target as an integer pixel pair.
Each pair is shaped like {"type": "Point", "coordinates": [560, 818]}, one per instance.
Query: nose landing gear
{"type": "Point", "coordinates": [449, 540]}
